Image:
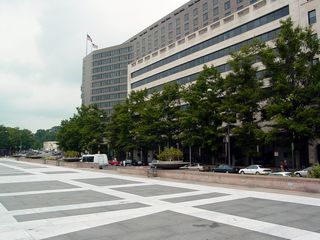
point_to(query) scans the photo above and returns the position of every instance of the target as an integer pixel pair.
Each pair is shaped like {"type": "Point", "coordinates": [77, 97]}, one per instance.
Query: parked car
{"type": "Point", "coordinates": [280, 174]}
{"type": "Point", "coordinates": [255, 169]}
{"type": "Point", "coordinates": [224, 168]}
{"type": "Point", "coordinates": [101, 159]}
{"type": "Point", "coordinates": [153, 163]}
{"type": "Point", "coordinates": [115, 162]}
{"type": "Point", "coordinates": [127, 162]}
{"type": "Point", "coordinates": [303, 172]}
{"type": "Point", "coordinates": [136, 163]}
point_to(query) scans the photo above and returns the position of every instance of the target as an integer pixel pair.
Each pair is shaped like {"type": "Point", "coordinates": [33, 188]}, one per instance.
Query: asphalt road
{"type": "Point", "coordinates": [56, 203]}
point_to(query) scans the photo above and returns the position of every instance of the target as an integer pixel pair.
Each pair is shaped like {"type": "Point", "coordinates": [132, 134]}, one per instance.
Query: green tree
{"type": "Point", "coordinates": [294, 73]}
{"type": "Point", "coordinates": [43, 135]}
{"type": "Point", "coordinates": [4, 138]}
{"type": "Point", "coordinates": [201, 120]}
{"type": "Point", "coordinates": [122, 124]}
{"type": "Point", "coordinates": [241, 103]}
{"type": "Point", "coordinates": [84, 131]}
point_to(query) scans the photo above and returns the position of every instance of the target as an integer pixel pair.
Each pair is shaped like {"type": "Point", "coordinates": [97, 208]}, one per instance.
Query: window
{"type": "Point", "coordinates": [215, 2]}
{"type": "Point", "coordinates": [170, 26]}
{"type": "Point", "coordinates": [239, 1]}
{"type": "Point", "coordinates": [178, 31]}
{"type": "Point", "coordinates": [312, 17]}
{"type": "Point", "coordinates": [163, 29]}
{"type": "Point", "coordinates": [186, 17]}
{"type": "Point", "coordinates": [215, 11]}
{"type": "Point", "coordinates": [163, 39]}
{"type": "Point", "coordinates": [205, 7]}
{"type": "Point", "coordinates": [205, 17]}
{"type": "Point", "coordinates": [178, 22]}
{"type": "Point", "coordinates": [195, 22]}
{"type": "Point", "coordinates": [227, 5]}
{"type": "Point", "coordinates": [186, 27]}
{"type": "Point", "coordinates": [195, 12]}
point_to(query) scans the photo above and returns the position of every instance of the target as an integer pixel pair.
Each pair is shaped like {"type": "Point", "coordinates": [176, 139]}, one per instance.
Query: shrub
{"type": "Point", "coordinates": [315, 172]}
{"type": "Point", "coordinates": [71, 154]}
{"type": "Point", "coordinates": [170, 154]}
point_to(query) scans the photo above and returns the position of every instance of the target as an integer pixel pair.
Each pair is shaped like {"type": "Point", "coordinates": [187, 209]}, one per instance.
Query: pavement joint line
{"type": "Point", "coordinates": [43, 192]}
{"type": "Point", "coordinates": [211, 200]}
{"type": "Point", "coordinates": [68, 207]}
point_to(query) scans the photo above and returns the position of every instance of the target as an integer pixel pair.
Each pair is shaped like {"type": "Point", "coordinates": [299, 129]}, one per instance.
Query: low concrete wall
{"type": "Point", "coordinates": [281, 183]}
{"type": "Point", "coordinates": [61, 163]}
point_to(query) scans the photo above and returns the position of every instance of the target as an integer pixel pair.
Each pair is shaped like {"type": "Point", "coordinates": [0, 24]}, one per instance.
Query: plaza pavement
{"type": "Point", "coordinates": [56, 203]}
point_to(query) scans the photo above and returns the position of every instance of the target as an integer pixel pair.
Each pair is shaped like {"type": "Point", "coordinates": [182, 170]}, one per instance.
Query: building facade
{"type": "Point", "coordinates": [104, 76]}
{"type": "Point", "coordinates": [182, 60]}
{"type": "Point", "coordinates": [175, 48]}
{"type": "Point", "coordinates": [104, 73]}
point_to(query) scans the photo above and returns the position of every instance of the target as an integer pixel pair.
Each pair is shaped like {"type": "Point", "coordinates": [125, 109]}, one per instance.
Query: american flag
{"type": "Point", "coordinates": [94, 46]}
{"type": "Point", "coordinates": [89, 38]}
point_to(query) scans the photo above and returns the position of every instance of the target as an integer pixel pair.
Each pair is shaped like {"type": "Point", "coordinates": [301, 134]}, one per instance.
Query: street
{"type": "Point", "coordinates": [57, 203]}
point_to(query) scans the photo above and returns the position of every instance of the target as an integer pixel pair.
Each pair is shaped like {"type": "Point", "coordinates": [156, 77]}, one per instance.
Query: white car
{"type": "Point", "coordinates": [280, 174]}
{"type": "Point", "coordinates": [255, 169]}
{"type": "Point", "coordinates": [303, 173]}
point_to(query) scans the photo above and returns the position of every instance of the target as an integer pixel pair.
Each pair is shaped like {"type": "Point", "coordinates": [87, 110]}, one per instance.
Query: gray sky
{"type": "Point", "coordinates": [43, 42]}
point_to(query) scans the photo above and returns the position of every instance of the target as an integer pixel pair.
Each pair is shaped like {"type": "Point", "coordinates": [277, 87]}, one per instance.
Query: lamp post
{"type": "Point", "coordinates": [292, 151]}
{"type": "Point", "coordinates": [227, 141]}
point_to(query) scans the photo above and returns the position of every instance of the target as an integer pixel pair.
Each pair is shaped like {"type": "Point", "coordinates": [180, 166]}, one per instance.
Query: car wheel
{"type": "Point", "coordinates": [257, 173]}
{"type": "Point", "coordinates": [298, 175]}
{"type": "Point", "coordinates": [242, 172]}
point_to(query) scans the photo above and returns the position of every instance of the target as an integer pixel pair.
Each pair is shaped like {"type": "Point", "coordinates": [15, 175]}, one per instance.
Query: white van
{"type": "Point", "coordinates": [101, 159]}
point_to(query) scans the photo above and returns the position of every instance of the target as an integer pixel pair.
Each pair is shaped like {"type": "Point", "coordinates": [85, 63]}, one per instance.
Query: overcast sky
{"type": "Point", "coordinates": [42, 43]}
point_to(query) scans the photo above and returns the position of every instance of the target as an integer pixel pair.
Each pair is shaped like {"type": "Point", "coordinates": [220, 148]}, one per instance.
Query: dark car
{"type": "Point", "coordinates": [224, 168]}
{"type": "Point", "coordinates": [136, 163]}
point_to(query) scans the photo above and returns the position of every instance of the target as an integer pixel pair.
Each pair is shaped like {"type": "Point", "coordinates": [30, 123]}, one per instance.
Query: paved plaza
{"type": "Point", "coordinates": [56, 203]}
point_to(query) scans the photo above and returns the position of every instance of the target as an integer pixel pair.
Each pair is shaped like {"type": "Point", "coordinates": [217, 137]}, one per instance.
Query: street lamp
{"type": "Point", "coordinates": [292, 150]}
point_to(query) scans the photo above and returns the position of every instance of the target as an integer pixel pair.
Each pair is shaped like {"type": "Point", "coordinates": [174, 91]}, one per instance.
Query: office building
{"type": "Point", "coordinates": [104, 74]}
{"type": "Point", "coordinates": [175, 48]}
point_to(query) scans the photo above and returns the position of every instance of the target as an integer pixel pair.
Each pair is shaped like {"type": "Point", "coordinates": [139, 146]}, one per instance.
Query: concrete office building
{"type": "Point", "coordinates": [104, 75]}
{"type": "Point", "coordinates": [175, 48]}
{"type": "Point", "coordinates": [182, 60]}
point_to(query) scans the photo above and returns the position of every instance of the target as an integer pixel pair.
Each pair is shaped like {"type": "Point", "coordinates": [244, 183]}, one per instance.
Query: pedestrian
{"type": "Point", "coordinates": [282, 166]}
{"type": "Point", "coordinates": [285, 165]}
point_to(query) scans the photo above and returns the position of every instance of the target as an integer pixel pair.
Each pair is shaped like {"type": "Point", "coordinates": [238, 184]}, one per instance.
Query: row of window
{"type": "Point", "coordinates": [191, 23]}
{"type": "Point", "coordinates": [110, 75]}
{"type": "Point", "coordinates": [110, 67]}
{"type": "Point", "coordinates": [112, 53]}
{"type": "Point", "coordinates": [193, 77]}
{"type": "Point", "coordinates": [109, 104]}
{"type": "Point", "coordinates": [109, 82]}
{"type": "Point", "coordinates": [113, 60]}
{"type": "Point", "coordinates": [109, 96]}
{"type": "Point", "coordinates": [207, 58]}
{"type": "Point", "coordinates": [118, 88]}
{"type": "Point", "coordinates": [217, 39]}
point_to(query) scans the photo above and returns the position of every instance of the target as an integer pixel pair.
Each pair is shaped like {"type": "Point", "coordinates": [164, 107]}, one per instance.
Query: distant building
{"type": "Point", "coordinates": [50, 146]}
